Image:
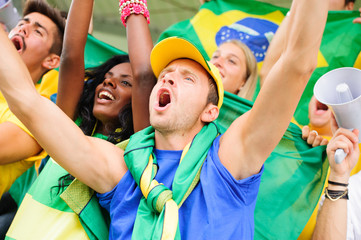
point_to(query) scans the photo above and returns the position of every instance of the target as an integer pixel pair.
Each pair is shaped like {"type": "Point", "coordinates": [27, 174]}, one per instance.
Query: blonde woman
{"type": "Point", "coordinates": [238, 68]}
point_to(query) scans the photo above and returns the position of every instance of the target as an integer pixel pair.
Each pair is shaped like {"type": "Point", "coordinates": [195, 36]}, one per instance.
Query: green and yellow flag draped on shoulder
{"type": "Point", "coordinates": [157, 216]}
{"type": "Point", "coordinates": [45, 214]}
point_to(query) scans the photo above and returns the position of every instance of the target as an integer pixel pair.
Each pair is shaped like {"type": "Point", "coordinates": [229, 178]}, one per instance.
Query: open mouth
{"type": "Point", "coordinates": [164, 98]}
{"type": "Point", "coordinates": [222, 74]}
{"type": "Point", "coordinates": [18, 42]}
{"type": "Point", "coordinates": [106, 96]}
{"type": "Point", "coordinates": [320, 107]}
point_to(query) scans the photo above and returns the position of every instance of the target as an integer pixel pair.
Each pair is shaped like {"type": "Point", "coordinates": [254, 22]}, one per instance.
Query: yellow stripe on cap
{"type": "Point", "coordinates": [173, 48]}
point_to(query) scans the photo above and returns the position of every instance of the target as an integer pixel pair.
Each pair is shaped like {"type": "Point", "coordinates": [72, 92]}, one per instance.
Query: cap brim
{"type": "Point", "coordinates": [174, 48]}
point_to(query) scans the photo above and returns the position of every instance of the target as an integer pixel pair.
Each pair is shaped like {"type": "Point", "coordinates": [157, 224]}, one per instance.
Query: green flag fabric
{"type": "Point", "coordinates": [292, 182]}
{"type": "Point", "coordinates": [97, 52]}
{"type": "Point", "coordinates": [46, 212]}
{"type": "Point", "coordinates": [255, 23]}
{"type": "Point", "coordinates": [340, 47]}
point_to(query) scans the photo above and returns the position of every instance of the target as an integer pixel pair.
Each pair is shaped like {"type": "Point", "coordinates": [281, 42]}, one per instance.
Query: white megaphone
{"type": "Point", "coordinates": [8, 14]}
{"type": "Point", "coordinates": [340, 90]}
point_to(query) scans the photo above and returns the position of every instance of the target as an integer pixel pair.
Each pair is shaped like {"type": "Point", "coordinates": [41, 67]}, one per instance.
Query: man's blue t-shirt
{"type": "Point", "coordinates": [219, 207]}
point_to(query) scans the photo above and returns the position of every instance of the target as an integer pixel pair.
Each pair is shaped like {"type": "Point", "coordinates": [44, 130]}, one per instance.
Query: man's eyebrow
{"type": "Point", "coordinates": [186, 71]}
{"type": "Point", "coordinates": [41, 26]}
{"type": "Point", "coordinates": [25, 19]}
{"type": "Point", "coordinates": [165, 70]}
{"type": "Point", "coordinates": [36, 24]}
{"type": "Point", "coordinates": [126, 76]}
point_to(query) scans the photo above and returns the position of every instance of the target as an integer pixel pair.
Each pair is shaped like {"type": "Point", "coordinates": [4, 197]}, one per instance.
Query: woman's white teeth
{"type": "Point", "coordinates": [106, 95]}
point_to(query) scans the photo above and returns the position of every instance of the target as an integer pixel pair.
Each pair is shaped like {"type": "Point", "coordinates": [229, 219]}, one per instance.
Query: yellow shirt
{"type": "Point", "coordinates": [10, 172]}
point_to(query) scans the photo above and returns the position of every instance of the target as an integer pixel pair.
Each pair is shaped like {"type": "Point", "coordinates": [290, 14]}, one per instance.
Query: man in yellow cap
{"type": "Point", "coordinates": [179, 178]}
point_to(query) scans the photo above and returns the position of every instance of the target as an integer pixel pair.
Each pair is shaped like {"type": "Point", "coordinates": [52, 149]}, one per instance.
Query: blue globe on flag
{"type": "Point", "coordinates": [254, 32]}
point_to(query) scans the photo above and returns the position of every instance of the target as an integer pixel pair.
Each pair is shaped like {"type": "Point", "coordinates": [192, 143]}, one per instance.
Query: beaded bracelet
{"type": "Point", "coordinates": [334, 195]}
{"type": "Point", "coordinates": [128, 7]}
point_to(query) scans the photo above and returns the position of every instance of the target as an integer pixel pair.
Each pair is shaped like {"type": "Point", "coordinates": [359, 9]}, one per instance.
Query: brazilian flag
{"type": "Point", "coordinates": [255, 23]}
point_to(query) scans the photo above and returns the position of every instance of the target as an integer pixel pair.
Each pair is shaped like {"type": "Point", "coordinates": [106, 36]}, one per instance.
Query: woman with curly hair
{"type": "Point", "coordinates": [112, 104]}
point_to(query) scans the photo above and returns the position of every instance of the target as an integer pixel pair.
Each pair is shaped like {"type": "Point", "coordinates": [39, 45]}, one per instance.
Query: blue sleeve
{"type": "Point", "coordinates": [245, 190]}
{"type": "Point", "coordinates": [125, 188]}
{"type": "Point", "coordinates": [106, 198]}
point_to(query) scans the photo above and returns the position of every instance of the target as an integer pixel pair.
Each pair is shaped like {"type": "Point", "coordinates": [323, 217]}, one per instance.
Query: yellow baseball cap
{"type": "Point", "coordinates": [173, 48]}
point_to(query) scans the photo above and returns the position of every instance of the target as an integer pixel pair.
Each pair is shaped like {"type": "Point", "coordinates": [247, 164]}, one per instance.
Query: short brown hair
{"type": "Point", "coordinates": [45, 9]}
{"type": "Point", "coordinates": [212, 93]}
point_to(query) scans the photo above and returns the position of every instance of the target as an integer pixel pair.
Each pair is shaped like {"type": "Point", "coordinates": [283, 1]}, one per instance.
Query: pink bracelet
{"type": "Point", "coordinates": [128, 7]}
{"type": "Point", "coordinates": [125, 2]}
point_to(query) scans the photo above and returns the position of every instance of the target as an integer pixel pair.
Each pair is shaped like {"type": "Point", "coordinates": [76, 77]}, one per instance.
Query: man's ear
{"type": "Point", "coordinates": [51, 61]}
{"type": "Point", "coordinates": [210, 113]}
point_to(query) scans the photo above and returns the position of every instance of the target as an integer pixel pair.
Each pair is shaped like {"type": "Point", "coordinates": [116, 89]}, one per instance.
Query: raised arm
{"type": "Point", "coordinates": [97, 163]}
{"type": "Point", "coordinates": [274, 50]}
{"type": "Point", "coordinates": [332, 219]}
{"type": "Point", "coordinates": [16, 144]}
{"type": "Point", "coordinates": [71, 74]}
{"type": "Point", "coordinates": [140, 45]}
{"type": "Point", "coordinates": [258, 132]}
